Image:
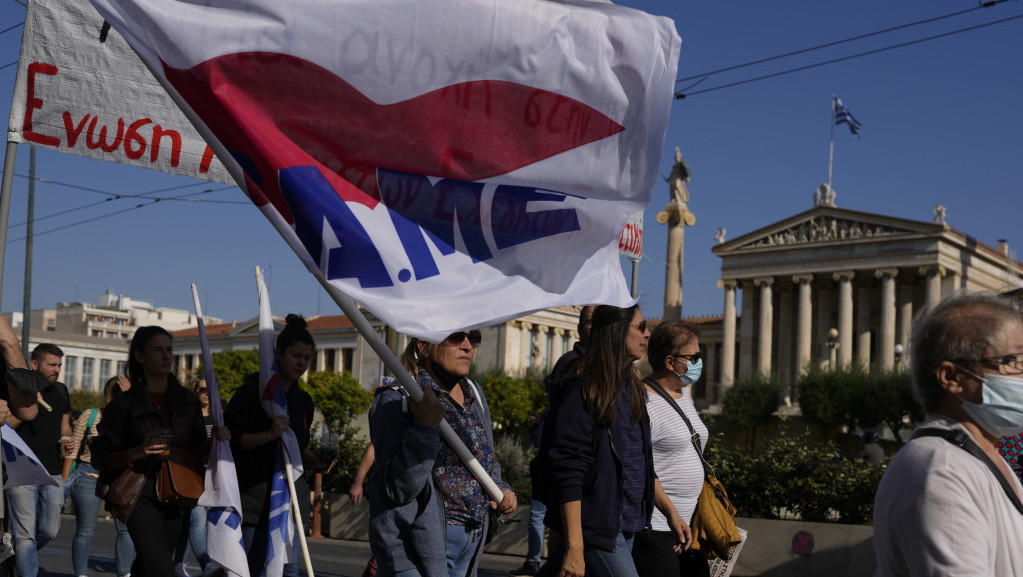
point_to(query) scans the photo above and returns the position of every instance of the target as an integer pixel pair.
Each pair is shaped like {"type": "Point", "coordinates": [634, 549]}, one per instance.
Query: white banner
{"type": "Point", "coordinates": [446, 163]}
{"type": "Point", "coordinates": [81, 89]}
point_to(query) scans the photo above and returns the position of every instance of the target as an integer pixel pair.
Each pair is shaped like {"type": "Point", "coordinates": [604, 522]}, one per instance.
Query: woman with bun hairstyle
{"type": "Point", "coordinates": [254, 440]}
{"type": "Point", "coordinates": [139, 427]}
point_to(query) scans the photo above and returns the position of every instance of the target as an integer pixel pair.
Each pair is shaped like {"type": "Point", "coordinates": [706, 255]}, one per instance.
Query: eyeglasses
{"type": "Point", "coordinates": [200, 391]}
{"type": "Point", "coordinates": [641, 326]}
{"type": "Point", "coordinates": [1013, 361]}
{"type": "Point", "coordinates": [693, 358]}
{"type": "Point", "coordinates": [455, 339]}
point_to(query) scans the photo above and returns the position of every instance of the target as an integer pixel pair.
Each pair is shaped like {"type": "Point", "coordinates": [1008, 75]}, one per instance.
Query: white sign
{"type": "Point", "coordinates": [81, 89]}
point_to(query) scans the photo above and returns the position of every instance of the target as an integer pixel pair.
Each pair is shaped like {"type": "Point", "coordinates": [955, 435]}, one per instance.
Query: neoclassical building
{"type": "Point", "coordinates": [833, 285]}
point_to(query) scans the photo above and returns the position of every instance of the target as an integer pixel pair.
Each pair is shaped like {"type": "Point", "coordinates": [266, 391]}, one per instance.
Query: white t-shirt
{"type": "Point", "coordinates": [678, 467]}
{"type": "Point", "coordinates": [940, 511]}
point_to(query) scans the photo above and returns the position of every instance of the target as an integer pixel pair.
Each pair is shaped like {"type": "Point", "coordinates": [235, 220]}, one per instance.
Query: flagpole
{"type": "Point", "coordinates": [297, 514]}
{"type": "Point", "coordinates": [354, 314]}
{"type": "Point", "coordinates": [831, 148]}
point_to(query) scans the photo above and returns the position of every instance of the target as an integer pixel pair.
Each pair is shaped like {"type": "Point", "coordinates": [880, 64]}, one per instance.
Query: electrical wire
{"type": "Point", "coordinates": [8, 65]}
{"type": "Point", "coordinates": [681, 94]}
{"type": "Point", "coordinates": [11, 28]}
{"type": "Point", "coordinates": [704, 75]}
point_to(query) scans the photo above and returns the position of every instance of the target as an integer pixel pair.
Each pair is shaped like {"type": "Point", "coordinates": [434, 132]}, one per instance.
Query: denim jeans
{"type": "Point", "coordinates": [617, 563]}
{"type": "Point", "coordinates": [87, 505]}
{"type": "Point", "coordinates": [462, 543]}
{"type": "Point", "coordinates": [35, 518]}
{"type": "Point", "coordinates": [195, 536]}
{"type": "Point", "coordinates": [537, 510]}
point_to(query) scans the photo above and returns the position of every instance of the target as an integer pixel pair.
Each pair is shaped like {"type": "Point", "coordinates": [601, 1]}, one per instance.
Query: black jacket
{"type": "Point", "coordinates": [585, 467]}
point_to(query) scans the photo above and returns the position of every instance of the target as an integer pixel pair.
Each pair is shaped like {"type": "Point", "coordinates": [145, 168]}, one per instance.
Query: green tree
{"type": "Point", "coordinates": [82, 399]}
{"type": "Point", "coordinates": [750, 402]}
{"type": "Point", "coordinates": [231, 367]}
{"type": "Point", "coordinates": [826, 397]}
{"type": "Point", "coordinates": [338, 396]}
{"type": "Point", "coordinates": [513, 402]}
{"type": "Point", "coordinates": [887, 398]}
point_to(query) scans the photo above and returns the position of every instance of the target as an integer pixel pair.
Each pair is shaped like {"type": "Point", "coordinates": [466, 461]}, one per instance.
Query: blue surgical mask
{"type": "Point", "coordinates": [693, 372]}
{"type": "Point", "coordinates": [1000, 413]}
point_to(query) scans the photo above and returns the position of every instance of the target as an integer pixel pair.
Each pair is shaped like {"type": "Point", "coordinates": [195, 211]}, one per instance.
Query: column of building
{"type": "Point", "coordinates": [765, 348]}
{"type": "Point", "coordinates": [728, 334]}
{"type": "Point", "coordinates": [804, 324]}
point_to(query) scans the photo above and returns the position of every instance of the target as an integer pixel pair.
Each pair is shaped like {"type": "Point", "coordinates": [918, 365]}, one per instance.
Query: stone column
{"type": "Point", "coordinates": [728, 335]}
{"type": "Point", "coordinates": [764, 348]}
{"type": "Point", "coordinates": [887, 352]}
{"type": "Point", "coordinates": [804, 325]}
{"type": "Point", "coordinates": [905, 319]}
{"type": "Point", "coordinates": [845, 317]}
{"type": "Point", "coordinates": [537, 343]}
{"type": "Point", "coordinates": [863, 326]}
{"type": "Point", "coordinates": [711, 364]}
{"type": "Point", "coordinates": [558, 348]}
{"type": "Point", "coordinates": [524, 343]}
{"type": "Point", "coordinates": [749, 320]}
{"type": "Point", "coordinates": [932, 291]}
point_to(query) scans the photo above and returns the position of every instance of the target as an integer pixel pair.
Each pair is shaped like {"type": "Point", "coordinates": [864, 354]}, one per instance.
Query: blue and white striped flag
{"type": "Point", "coordinates": [280, 540]}
{"type": "Point", "coordinates": [842, 114]}
{"type": "Point", "coordinates": [23, 467]}
{"type": "Point", "coordinates": [221, 496]}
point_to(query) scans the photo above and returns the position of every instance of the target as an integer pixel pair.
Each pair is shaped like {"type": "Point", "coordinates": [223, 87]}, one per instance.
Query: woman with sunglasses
{"type": "Point", "coordinates": [596, 444]}
{"type": "Point", "coordinates": [428, 515]}
{"type": "Point", "coordinates": [674, 356]}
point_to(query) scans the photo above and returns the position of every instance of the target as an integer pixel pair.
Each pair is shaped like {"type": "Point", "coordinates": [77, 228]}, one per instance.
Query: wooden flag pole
{"type": "Point", "coordinates": [297, 514]}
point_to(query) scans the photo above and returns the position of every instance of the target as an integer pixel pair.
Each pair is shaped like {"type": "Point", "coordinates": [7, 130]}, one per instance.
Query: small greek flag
{"type": "Point", "coordinates": [842, 114]}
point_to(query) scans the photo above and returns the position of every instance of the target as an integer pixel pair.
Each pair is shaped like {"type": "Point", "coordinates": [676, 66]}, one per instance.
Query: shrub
{"type": "Point", "coordinates": [82, 399]}
{"type": "Point", "coordinates": [750, 402]}
{"type": "Point", "coordinates": [231, 368]}
{"type": "Point", "coordinates": [339, 397]}
{"type": "Point", "coordinates": [513, 401]}
{"type": "Point", "coordinates": [514, 459]}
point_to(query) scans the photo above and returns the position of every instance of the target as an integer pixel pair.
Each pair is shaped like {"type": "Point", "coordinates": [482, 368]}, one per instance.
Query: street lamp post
{"type": "Point", "coordinates": [832, 346]}
{"type": "Point", "coordinates": [898, 355]}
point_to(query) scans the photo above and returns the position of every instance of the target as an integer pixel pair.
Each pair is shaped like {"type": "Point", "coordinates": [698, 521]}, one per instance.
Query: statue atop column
{"type": "Point", "coordinates": [677, 216]}
{"type": "Point", "coordinates": [825, 195]}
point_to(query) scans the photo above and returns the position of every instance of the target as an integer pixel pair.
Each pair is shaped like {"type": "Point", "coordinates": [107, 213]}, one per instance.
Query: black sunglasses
{"type": "Point", "coordinates": [690, 358]}
{"type": "Point", "coordinates": [455, 339]}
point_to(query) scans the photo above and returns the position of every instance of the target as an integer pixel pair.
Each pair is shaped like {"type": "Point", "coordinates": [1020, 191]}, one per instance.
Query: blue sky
{"type": "Point", "coordinates": [940, 125]}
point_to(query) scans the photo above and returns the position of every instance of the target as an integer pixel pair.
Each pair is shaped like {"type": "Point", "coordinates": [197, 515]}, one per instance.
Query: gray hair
{"type": "Point", "coordinates": [959, 328]}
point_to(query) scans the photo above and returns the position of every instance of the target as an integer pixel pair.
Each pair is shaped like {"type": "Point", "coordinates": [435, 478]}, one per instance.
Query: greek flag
{"type": "Point", "coordinates": [842, 114]}
{"type": "Point", "coordinates": [23, 467]}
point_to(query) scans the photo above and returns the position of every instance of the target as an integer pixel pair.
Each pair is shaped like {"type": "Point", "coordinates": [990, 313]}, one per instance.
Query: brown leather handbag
{"type": "Point", "coordinates": [179, 483]}
{"type": "Point", "coordinates": [124, 492]}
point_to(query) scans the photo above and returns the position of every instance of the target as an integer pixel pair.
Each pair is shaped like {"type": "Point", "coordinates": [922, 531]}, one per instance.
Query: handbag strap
{"type": "Point", "coordinates": [693, 435]}
{"type": "Point", "coordinates": [962, 440]}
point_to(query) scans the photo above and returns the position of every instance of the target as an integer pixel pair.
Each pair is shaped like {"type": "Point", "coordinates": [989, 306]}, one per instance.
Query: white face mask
{"type": "Point", "coordinates": [692, 374]}
{"type": "Point", "coordinates": [1000, 413]}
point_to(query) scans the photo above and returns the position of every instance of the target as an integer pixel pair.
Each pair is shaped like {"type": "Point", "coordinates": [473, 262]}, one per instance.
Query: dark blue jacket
{"type": "Point", "coordinates": [585, 467]}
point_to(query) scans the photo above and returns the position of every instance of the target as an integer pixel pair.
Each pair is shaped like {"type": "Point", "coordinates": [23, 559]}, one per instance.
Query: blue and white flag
{"type": "Point", "coordinates": [442, 184]}
{"type": "Point", "coordinates": [274, 400]}
{"type": "Point", "coordinates": [842, 115]}
{"type": "Point", "coordinates": [221, 496]}
{"type": "Point", "coordinates": [23, 467]}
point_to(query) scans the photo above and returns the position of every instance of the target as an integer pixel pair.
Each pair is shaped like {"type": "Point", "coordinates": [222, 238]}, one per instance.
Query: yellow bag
{"type": "Point", "coordinates": [714, 531]}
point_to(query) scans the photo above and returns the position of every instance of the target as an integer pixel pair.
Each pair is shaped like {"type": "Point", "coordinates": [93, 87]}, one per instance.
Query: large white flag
{"type": "Point", "coordinates": [21, 463]}
{"type": "Point", "coordinates": [221, 496]}
{"type": "Point", "coordinates": [81, 89]}
{"type": "Point", "coordinates": [446, 164]}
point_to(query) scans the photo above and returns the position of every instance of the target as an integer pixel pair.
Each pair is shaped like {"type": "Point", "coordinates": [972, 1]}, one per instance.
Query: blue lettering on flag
{"type": "Point", "coordinates": [230, 517]}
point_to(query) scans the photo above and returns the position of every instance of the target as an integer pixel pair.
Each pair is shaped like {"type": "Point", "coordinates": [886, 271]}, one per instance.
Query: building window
{"type": "Point", "coordinates": [120, 367]}
{"type": "Point", "coordinates": [71, 371]}
{"type": "Point", "coordinates": [104, 370]}
{"type": "Point", "coordinates": [87, 363]}
{"type": "Point", "coordinates": [330, 360]}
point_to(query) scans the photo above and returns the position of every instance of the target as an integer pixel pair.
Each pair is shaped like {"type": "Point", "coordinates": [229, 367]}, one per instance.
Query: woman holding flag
{"type": "Point", "coordinates": [428, 515]}
{"type": "Point", "coordinates": [138, 429]}
{"type": "Point", "coordinates": [255, 441]}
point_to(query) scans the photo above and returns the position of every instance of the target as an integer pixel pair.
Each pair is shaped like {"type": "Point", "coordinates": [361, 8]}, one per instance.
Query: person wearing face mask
{"type": "Point", "coordinates": [674, 356]}
{"type": "Point", "coordinates": [428, 514]}
{"type": "Point", "coordinates": [1011, 446]}
{"type": "Point", "coordinates": [948, 503]}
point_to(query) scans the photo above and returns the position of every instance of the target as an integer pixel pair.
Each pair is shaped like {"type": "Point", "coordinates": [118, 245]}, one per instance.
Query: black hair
{"type": "Point", "coordinates": [294, 332]}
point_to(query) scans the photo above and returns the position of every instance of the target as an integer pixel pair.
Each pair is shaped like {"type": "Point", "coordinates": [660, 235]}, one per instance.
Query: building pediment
{"type": "Point", "coordinates": [824, 225]}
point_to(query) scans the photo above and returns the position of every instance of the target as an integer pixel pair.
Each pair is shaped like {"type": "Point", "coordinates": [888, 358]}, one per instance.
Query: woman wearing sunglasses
{"type": "Point", "coordinates": [428, 515]}
{"type": "Point", "coordinates": [597, 444]}
{"type": "Point", "coordinates": [674, 356]}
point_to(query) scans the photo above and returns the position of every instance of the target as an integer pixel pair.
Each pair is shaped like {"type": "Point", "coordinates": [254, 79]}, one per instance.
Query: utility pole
{"type": "Point", "coordinates": [26, 320]}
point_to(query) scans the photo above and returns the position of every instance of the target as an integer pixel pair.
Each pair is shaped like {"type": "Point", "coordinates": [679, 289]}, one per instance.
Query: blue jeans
{"type": "Point", "coordinates": [35, 518]}
{"type": "Point", "coordinates": [617, 563]}
{"type": "Point", "coordinates": [195, 536]}
{"type": "Point", "coordinates": [463, 542]}
{"type": "Point", "coordinates": [87, 504]}
{"type": "Point", "coordinates": [537, 510]}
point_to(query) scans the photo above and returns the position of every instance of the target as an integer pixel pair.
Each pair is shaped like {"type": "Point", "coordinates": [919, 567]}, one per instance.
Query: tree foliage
{"type": "Point", "coordinates": [231, 367]}
{"type": "Point", "coordinates": [513, 402]}
{"type": "Point", "coordinates": [82, 399]}
{"type": "Point", "coordinates": [750, 402]}
{"type": "Point", "coordinates": [338, 396]}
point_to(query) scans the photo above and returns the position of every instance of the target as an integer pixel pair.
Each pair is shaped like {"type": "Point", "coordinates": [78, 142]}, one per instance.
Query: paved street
{"type": "Point", "coordinates": [331, 558]}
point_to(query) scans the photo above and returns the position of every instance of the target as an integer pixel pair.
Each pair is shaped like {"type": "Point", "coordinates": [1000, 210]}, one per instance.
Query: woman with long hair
{"type": "Point", "coordinates": [430, 516]}
{"type": "Point", "coordinates": [140, 428]}
{"type": "Point", "coordinates": [255, 440]}
{"type": "Point", "coordinates": [597, 444]}
{"type": "Point", "coordinates": [84, 492]}
{"type": "Point", "coordinates": [676, 363]}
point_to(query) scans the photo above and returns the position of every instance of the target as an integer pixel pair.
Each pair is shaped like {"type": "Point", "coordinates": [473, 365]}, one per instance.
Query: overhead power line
{"type": "Point", "coordinates": [9, 28]}
{"type": "Point", "coordinates": [843, 41]}
{"type": "Point", "coordinates": [682, 94]}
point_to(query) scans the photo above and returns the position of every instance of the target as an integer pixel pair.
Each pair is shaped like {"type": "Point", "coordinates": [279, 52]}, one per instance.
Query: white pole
{"type": "Point", "coordinates": [831, 148]}
{"type": "Point", "coordinates": [297, 514]}
{"type": "Point", "coordinates": [349, 308]}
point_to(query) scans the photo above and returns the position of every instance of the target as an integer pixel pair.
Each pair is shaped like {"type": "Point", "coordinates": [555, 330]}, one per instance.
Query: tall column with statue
{"type": "Point", "coordinates": [677, 216]}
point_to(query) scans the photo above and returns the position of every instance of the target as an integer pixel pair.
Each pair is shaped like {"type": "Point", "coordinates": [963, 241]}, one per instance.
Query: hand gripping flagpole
{"type": "Point", "coordinates": [378, 345]}
{"type": "Point", "coordinates": [297, 514]}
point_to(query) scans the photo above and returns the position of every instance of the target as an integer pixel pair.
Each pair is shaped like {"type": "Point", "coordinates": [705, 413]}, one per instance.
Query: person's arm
{"type": "Point", "coordinates": [405, 451]}
{"type": "Point", "coordinates": [683, 535]}
{"type": "Point", "coordinates": [76, 439]}
{"type": "Point", "coordinates": [21, 403]}
{"type": "Point", "coordinates": [253, 440]}
{"type": "Point", "coordinates": [574, 565]}
{"type": "Point", "coordinates": [355, 491]}
{"type": "Point", "coordinates": [12, 350]}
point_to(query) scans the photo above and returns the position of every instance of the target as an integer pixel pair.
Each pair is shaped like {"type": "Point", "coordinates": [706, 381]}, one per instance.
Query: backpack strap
{"type": "Point", "coordinates": [693, 435]}
{"type": "Point", "coordinates": [401, 391]}
{"type": "Point", "coordinates": [962, 440]}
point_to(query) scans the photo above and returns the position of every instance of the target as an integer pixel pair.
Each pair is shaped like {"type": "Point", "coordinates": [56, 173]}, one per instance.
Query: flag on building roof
{"type": "Point", "coordinates": [20, 462]}
{"type": "Point", "coordinates": [441, 184]}
{"type": "Point", "coordinates": [842, 115]}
